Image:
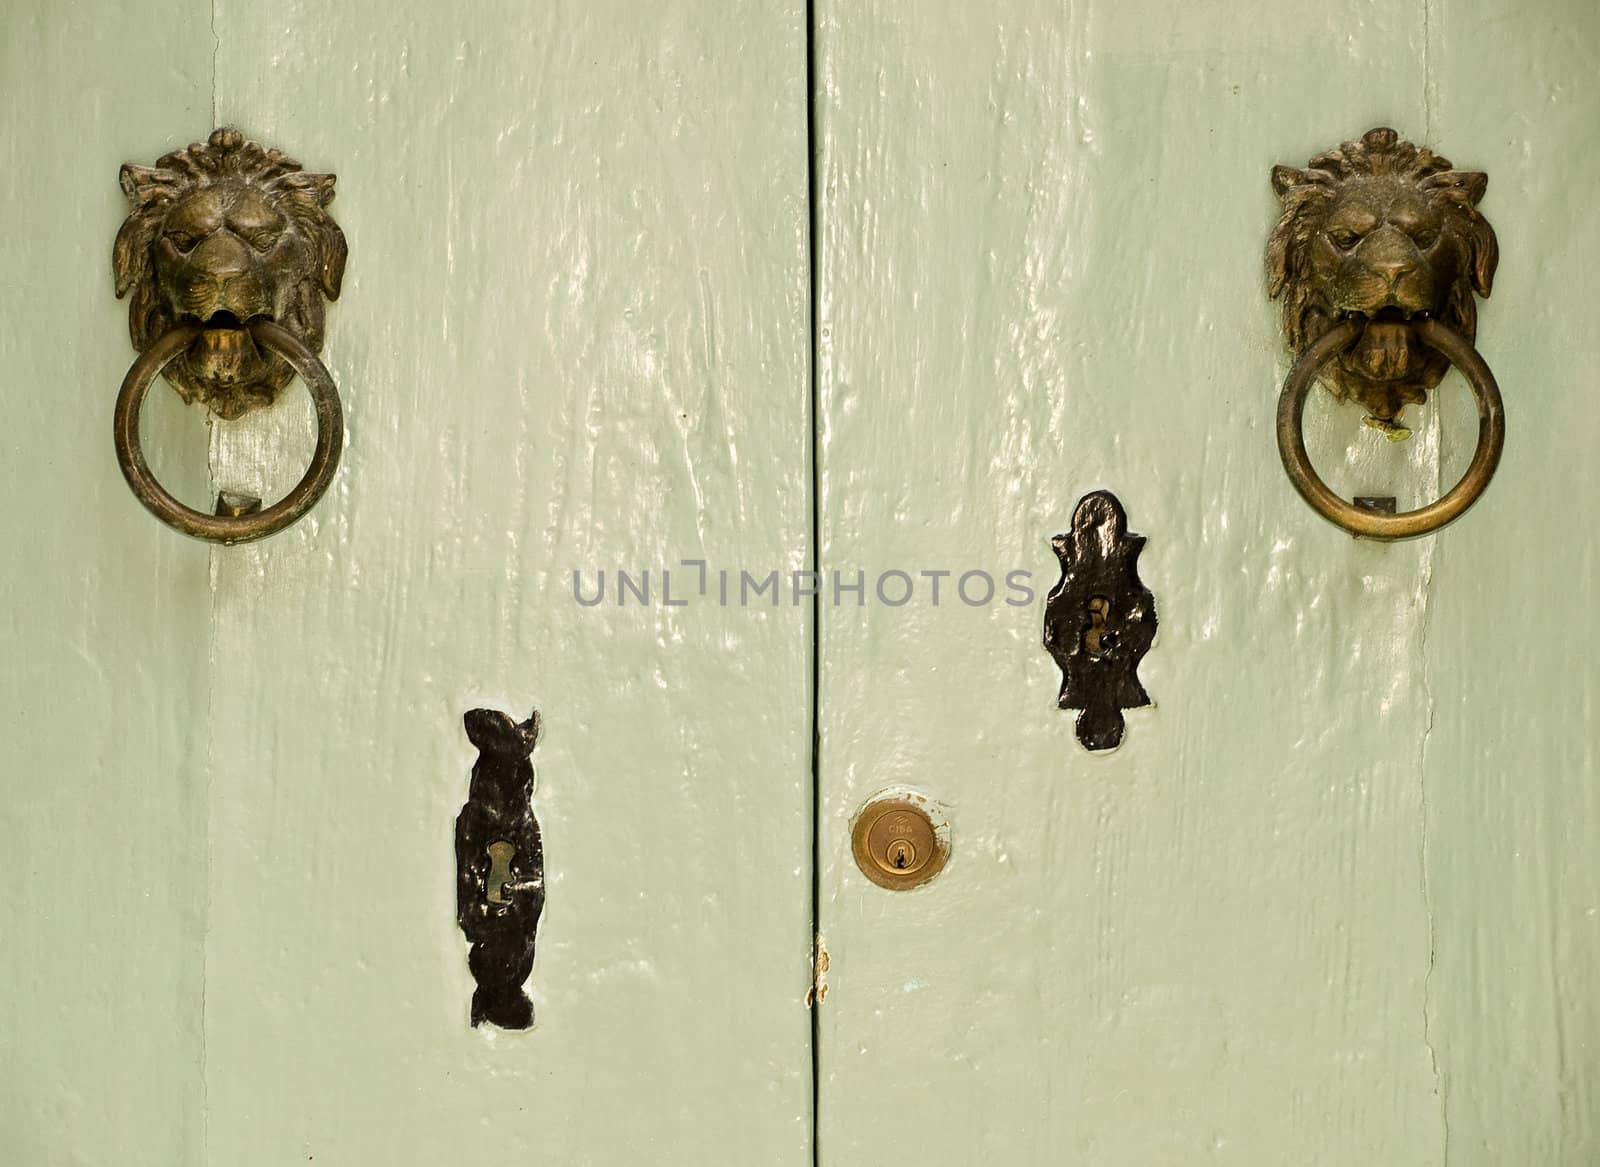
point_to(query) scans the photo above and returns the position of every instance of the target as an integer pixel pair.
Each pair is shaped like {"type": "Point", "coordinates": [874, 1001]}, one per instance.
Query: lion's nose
{"type": "Point", "coordinates": [1390, 255]}
{"type": "Point", "coordinates": [1394, 270]}
{"type": "Point", "coordinates": [221, 258]}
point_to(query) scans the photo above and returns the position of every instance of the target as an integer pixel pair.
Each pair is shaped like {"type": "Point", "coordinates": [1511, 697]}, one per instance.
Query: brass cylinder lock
{"type": "Point", "coordinates": [896, 843]}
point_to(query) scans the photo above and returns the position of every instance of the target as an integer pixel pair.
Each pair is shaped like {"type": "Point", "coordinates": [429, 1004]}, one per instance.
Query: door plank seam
{"type": "Point", "coordinates": [814, 279]}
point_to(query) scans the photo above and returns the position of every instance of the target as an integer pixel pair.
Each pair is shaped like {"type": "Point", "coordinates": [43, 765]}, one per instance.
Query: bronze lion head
{"type": "Point", "coordinates": [1382, 231]}
{"type": "Point", "coordinates": [221, 234]}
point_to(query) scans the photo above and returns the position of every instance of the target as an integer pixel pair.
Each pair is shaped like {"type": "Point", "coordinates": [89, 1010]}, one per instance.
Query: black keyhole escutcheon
{"type": "Point", "coordinates": [500, 868]}
{"type": "Point", "coordinates": [1099, 620]}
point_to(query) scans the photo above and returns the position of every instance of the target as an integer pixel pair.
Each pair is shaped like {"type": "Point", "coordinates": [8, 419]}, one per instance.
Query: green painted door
{"type": "Point", "coordinates": [872, 288]}
{"type": "Point", "coordinates": [1336, 899]}
{"type": "Point", "coordinates": [572, 335]}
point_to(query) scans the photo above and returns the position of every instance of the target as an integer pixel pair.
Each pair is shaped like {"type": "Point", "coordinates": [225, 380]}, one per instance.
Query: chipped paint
{"type": "Point", "coordinates": [818, 992]}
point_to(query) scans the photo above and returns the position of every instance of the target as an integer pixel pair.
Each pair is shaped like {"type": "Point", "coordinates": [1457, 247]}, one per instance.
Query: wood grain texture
{"type": "Point", "coordinates": [103, 625]}
{"type": "Point", "coordinates": [573, 335]}
{"type": "Point", "coordinates": [1333, 902]}
{"type": "Point", "coordinates": [1041, 246]}
{"type": "Point", "coordinates": [1509, 773]}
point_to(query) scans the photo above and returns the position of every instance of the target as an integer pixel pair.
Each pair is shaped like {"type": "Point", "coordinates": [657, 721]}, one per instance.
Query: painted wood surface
{"type": "Point", "coordinates": [573, 335]}
{"type": "Point", "coordinates": [103, 619]}
{"type": "Point", "coordinates": [1509, 771]}
{"type": "Point", "coordinates": [1333, 901]}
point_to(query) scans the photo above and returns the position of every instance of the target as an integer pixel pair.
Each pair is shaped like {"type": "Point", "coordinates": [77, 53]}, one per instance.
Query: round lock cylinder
{"type": "Point", "coordinates": [896, 844]}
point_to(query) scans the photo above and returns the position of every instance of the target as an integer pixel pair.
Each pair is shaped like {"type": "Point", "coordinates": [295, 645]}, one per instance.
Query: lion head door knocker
{"type": "Point", "coordinates": [226, 258]}
{"type": "Point", "coordinates": [1099, 620]}
{"type": "Point", "coordinates": [1378, 258]}
{"type": "Point", "coordinates": [500, 867]}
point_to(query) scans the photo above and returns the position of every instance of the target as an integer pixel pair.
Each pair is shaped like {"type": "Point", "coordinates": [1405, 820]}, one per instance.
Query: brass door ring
{"type": "Point", "coordinates": [229, 528]}
{"type": "Point", "coordinates": [1408, 524]}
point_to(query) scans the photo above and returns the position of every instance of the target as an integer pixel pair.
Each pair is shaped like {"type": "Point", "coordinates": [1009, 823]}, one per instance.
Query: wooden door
{"type": "Point", "coordinates": [1334, 900]}
{"type": "Point", "coordinates": [572, 336]}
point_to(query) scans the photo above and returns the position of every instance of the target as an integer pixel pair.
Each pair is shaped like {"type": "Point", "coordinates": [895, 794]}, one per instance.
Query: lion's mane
{"type": "Point", "coordinates": [227, 157]}
{"type": "Point", "coordinates": [1308, 194]}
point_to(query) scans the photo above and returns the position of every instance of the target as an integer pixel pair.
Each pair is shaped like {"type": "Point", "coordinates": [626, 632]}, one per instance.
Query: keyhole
{"type": "Point", "coordinates": [902, 854]}
{"type": "Point", "coordinates": [1097, 639]}
{"type": "Point", "coordinates": [500, 856]}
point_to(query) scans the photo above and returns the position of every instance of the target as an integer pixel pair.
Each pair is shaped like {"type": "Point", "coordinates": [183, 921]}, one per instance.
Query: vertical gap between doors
{"type": "Point", "coordinates": [813, 267]}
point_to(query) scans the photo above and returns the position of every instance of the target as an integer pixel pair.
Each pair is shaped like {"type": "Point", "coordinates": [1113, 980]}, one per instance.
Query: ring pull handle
{"type": "Point", "coordinates": [1379, 257]}
{"type": "Point", "coordinates": [229, 253]}
{"type": "Point", "coordinates": [239, 520]}
{"type": "Point", "coordinates": [1372, 524]}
